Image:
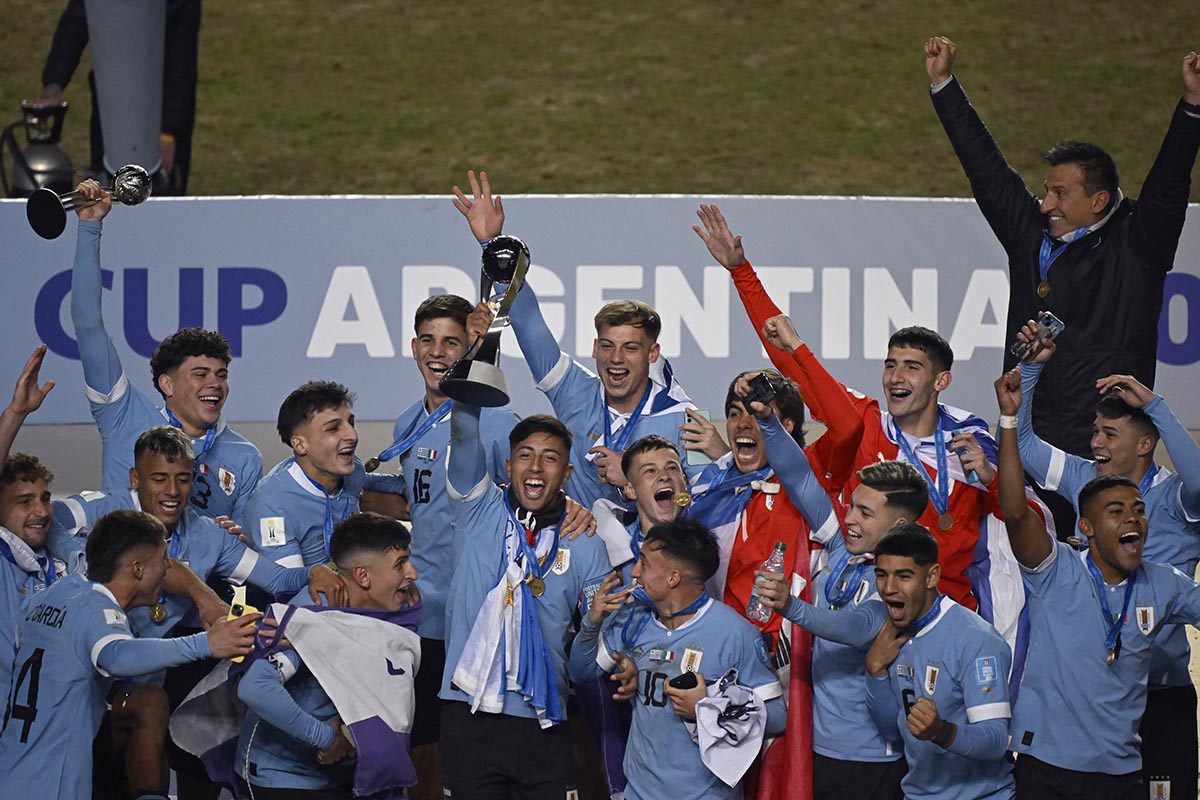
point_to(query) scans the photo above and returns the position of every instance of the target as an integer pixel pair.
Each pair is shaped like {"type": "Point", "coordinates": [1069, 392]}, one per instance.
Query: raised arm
{"type": "Point", "coordinates": [795, 473]}
{"type": "Point", "coordinates": [1027, 534]}
{"type": "Point", "coordinates": [101, 365]}
{"type": "Point", "coordinates": [27, 398]}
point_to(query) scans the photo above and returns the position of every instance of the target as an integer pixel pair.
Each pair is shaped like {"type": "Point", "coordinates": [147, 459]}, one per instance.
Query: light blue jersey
{"type": "Point", "coordinates": [198, 542]}
{"type": "Point", "coordinates": [577, 397]}
{"type": "Point", "coordinates": [661, 759]}
{"type": "Point", "coordinates": [72, 640]}
{"type": "Point", "coordinates": [1075, 710]}
{"type": "Point", "coordinates": [289, 516]}
{"type": "Point", "coordinates": [286, 723]}
{"type": "Point", "coordinates": [1172, 508]}
{"type": "Point", "coordinates": [226, 468]}
{"type": "Point", "coordinates": [424, 474]}
{"type": "Point", "coordinates": [24, 572]}
{"type": "Point", "coordinates": [960, 663]}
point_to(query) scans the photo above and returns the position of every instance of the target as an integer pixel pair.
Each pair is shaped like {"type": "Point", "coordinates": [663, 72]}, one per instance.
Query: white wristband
{"type": "Point", "coordinates": [1007, 421]}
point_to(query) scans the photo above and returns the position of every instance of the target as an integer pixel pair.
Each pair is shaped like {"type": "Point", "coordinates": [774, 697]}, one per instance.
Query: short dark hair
{"type": "Point", "coordinates": [183, 344]}
{"type": "Point", "coordinates": [646, 444]}
{"type": "Point", "coordinates": [540, 423]}
{"type": "Point", "coordinates": [164, 440]}
{"type": "Point", "coordinates": [114, 535]}
{"type": "Point", "coordinates": [307, 400]}
{"type": "Point", "coordinates": [928, 341]}
{"type": "Point", "coordinates": [366, 532]}
{"type": "Point", "coordinates": [629, 312]}
{"type": "Point", "coordinates": [1111, 406]}
{"type": "Point", "coordinates": [1092, 489]}
{"type": "Point", "coordinates": [909, 540]}
{"type": "Point", "coordinates": [689, 542]}
{"type": "Point", "coordinates": [1098, 168]}
{"type": "Point", "coordinates": [441, 306]}
{"type": "Point", "coordinates": [787, 399]}
{"type": "Point", "coordinates": [904, 487]}
{"type": "Point", "coordinates": [24, 467]}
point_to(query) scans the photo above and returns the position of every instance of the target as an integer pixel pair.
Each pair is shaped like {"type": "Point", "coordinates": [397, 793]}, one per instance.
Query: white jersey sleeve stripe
{"type": "Point", "coordinates": [1054, 472]}
{"type": "Point", "coordinates": [474, 494]}
{"type": "Point", "coordinates": [100, 645]}
{"type": "Point", "coordinates": [555, 375]}
{"type": "Point", "coordinates": [604, 658]}
{"type": "Point", "coordinates": [768, 691]}
{"type": "Point", "coordinates": [242, 571]}
{"type": "Point", "coordinates": [114, 394]}
{"type": "Point", "coordinates": [290, 562]}
{"type": "Point", "coordinates": [989, 711]}
{"type": "Point", "coordinates": [77, 513]}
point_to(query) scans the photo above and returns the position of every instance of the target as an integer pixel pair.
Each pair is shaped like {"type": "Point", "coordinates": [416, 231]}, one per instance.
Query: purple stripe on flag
{"type": "Point", "coordinates": [383, 759]}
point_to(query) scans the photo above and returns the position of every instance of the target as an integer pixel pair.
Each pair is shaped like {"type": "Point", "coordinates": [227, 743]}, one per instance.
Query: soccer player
{"type": "Point", "coordinates": [74, 639]}
{"type": "Point", "coordinates": [515, 581]}
{"type": "Point", "coordinates": [1095, 618]}
{"type": "Point", "coordinates": [292, 745]}
{"type": "Point", "coordinates": [677, 628]}
{"type": "Point", "coordinates": [850, 757]}
{"type": "Point", "coordinates": [633, 395]}
{"type": "Point", "coordinates": [190, 370]}
{"type": "Point", "coordinates": [293, 509]}
{"type": "Point", "coordinates": [937, 678]}
{"type": "Point", "coordinates": [1130, 419]}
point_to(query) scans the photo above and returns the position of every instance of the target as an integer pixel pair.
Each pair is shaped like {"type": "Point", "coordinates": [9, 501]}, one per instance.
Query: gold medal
{"type": "Point", "coordinates": [683, 499]}
{"type": "Point", "coordinates": [1043, 289]}
{"type": "Point", "coordinates": [158, 613]}
{"type": "Point", "coordinates": [1116, 651]}
{"type": "Point", "coordinates": [372, 464]}
{"type": "Point", "coordinates": [537, 587]}
{"type": "Point", "coordinates": [1075, 541]}
{"type": "Point", "coordinates": [945, 522]}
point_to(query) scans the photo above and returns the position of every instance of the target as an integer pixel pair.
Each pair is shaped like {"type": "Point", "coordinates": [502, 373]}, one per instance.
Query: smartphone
{"type": "Point", "coordinates": [1048, 327]}
{"type": "Point", "coordinates": [684, 681]}
{"type": "Point", "coordinates": [761, 391]}
{"type": "Point", "coordinates": [698, 458]}
{"type": "Point", "coordinates": [239, 608]}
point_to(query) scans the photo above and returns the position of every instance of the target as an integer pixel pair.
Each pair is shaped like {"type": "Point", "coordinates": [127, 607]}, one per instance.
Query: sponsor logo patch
{"type": "Point", "coordinates": [985, 670]}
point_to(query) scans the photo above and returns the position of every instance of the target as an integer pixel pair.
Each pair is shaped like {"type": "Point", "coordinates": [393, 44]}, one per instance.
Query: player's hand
{"type": "Point", "coordinates": [605, 601]}
{"type": "Point", "coordinates": [971, 456]}
{"type": "Point", "coordinates": [233, 637]}
{"type": "Point", "coordinates": [231, 527]}
{"type": "Point", "coordinates": [91, 190]}
{"type": "Point", "coordinates": [340, 750]}
{"type": "Point", "coordinates": [720, 241]}
{"type": "Point", "coordinates": [211, 608]}
{"type": "Point", "coordinates": [608, 463]}
{"type": "Point", "coordinates": [1191, 78]}
{"type": "Point", "coordinates": [323, 580]}
{"type": "Point", "coordinates": [939, 59]}
{"type": "Point", "coordinates": [626, 678]}
{"type": "Point", "coordinates": [741, 387]}
{"type": "Point", "coordinates": [1042, 349]}
{"type": "Point", "coordinates": [781, 333]}
{"type": "Point", "coordinates": [885, 648]}
{"type": "Point", "coordinates": [577, 522]}
{"type": "Point", "coordinates": [478, 322]}
{"type": "Point", "coordinates": [684, 700]}
{"type": "Point", "coordinates": [772, 589]}
{"type": "Point", "coordinates": [1126, 387]}
{"type": "Point", "coordinates": [268, 635]}
{"type": "Point", "coordinates": [28, 396]}
{"type": "Point", "coordinates": [700, 434]}
{"type": "Point", "coordinates": [484, 213]}
{"type": "Point", "coordinates": [1008, 392]}
{"type": "Point", "coordinates": [924, 722]}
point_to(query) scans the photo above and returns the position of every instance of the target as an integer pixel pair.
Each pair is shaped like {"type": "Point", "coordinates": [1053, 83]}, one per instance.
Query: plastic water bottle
{"type": "Point", "coordinates": [756, 610]}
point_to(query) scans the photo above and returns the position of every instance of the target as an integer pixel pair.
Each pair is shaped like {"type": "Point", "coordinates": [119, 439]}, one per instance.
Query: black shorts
{"type": "Point", "coordinates": [1037, 780]}
{"type": "Point", "coordinates": [427, 718]}
{"type": "Point", "coordinates": [1169, 744]}
{"type": "Point", "coordinates": [500, 757]}
{"type": "Point", "coordinates": [834, 779]}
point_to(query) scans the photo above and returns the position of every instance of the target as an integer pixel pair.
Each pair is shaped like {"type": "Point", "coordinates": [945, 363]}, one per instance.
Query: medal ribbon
{"type": "Point", "coordinates": [402, 446]}
{"type": "Point", "coordinates": [627, 431]}
{"type": "Point", "coordinates": [1147, 480]}
{"type": "Point", "coordinates": [939, 493]}
{"type": "Point", "coordinates": [926, 618]}
{"type": "Point", "coordinates": [1048, 254]}
{"type": "Point", "coordinates": [837, 598]}
{"type": "Point", "coordinates": [537, 568]}
{"type": "Point", "coordinates": [47, 568]}
{"type": "Point", "coordinates": [199, 446]}
{"type": "Point", "coordinates": [1114, 626]}
{"type": "Point", "coordinates": [642, 620]}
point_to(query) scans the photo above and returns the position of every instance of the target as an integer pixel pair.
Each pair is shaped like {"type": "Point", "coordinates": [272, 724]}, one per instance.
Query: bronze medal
{"type": "Point", "coordinates": [683, 500]}
{"type": "Point", "coordinates": [537, 586]}
{"type": "Point", "coordinates": [1075, 541]}
{"type": "Point", "coordinates": [1116, 651]}
{"type": "Point", "coordinates": [372, 464]}
{"type": "Point", "coordinates": [1043, 289]}
{"type": "Point", "coordinates": [158, 613]}
{"type": "Point", "coordinates": [945, 522]}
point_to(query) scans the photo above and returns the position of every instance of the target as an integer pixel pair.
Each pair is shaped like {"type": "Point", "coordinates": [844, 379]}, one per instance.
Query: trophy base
{"type": "Point", "coordinates": [46, 214]}
{"type": "Point", "coordinates": [476, 383]}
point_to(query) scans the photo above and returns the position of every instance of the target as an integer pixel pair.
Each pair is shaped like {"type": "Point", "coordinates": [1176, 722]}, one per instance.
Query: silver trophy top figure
{"type": "Point", "coordinates": [47, 211]}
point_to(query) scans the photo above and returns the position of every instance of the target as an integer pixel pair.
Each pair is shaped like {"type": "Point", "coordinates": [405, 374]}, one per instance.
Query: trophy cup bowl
{"type": "Point", "coordinates": [47, 210]}
{"type": "Point", "coordinates": [476, 378]}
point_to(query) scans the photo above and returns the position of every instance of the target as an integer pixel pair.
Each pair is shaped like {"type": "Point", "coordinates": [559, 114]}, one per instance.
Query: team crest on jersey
{"type": "Point", "coordinates": [426, 454]}
{"type": "Point", "coordinates": [1145, 619]}
{"type": "Point", "coordinates": [931, 676]}
{"type": "Point", "coordinates": [271, 531]}
{"type": "Point", "coordinates": [227, 480]}
{"type": "Point", "coordinates": [691, 660]}
{"type": "Point", "coordinates": [562, 561]}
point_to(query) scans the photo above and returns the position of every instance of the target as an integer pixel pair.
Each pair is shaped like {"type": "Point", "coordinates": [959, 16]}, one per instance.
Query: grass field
{"type": "Point", "coordinates": [301, 97]}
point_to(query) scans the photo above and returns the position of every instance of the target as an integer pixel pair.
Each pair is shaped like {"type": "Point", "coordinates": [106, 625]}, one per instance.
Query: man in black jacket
{"type": "Point", "coordinates": [1095, 259]}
